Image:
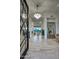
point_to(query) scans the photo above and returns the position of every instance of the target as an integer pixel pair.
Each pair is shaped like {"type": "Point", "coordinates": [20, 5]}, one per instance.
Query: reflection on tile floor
{"type": "Point", "coordinates": [43, 49]}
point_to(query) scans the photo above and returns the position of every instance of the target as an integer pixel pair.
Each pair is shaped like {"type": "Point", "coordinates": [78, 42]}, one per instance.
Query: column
{"type": "Point", "coordinates": [57, 26]}
{"type": "Point", "coordinates": [45, 28]}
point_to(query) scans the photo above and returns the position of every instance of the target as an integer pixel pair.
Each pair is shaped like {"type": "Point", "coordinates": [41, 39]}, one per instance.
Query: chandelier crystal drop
{"type": "Point", "coordinates": [37, 15]}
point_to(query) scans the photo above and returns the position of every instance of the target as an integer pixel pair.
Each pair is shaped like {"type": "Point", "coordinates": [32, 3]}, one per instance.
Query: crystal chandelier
{"type": "Point", "coordinates": [37, 15]}
{"type": "Point", "coordinates": [24, 16]}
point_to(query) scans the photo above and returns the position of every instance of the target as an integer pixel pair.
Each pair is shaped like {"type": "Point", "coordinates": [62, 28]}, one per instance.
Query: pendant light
{"type": "Point", "coordinates": [37, 15]}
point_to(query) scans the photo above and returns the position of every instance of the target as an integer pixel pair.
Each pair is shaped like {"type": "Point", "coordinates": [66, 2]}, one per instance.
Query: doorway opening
{"type": "Point", "coordinates": [51, 26]}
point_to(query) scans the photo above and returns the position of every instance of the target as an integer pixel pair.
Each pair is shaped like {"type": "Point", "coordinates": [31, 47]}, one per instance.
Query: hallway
{"type": "Point", "coordinates": [43, 49]}
{"type": "Point", "coordinates": [38, 29]}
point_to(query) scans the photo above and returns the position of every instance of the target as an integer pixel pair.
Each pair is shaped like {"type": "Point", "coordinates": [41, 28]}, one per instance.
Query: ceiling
{"type": "Point", "coordinates": [48, 8]}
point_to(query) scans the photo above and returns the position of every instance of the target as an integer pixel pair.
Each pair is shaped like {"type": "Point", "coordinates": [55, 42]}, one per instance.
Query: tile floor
{"type": "Point", "coordinates": [43, 49]}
